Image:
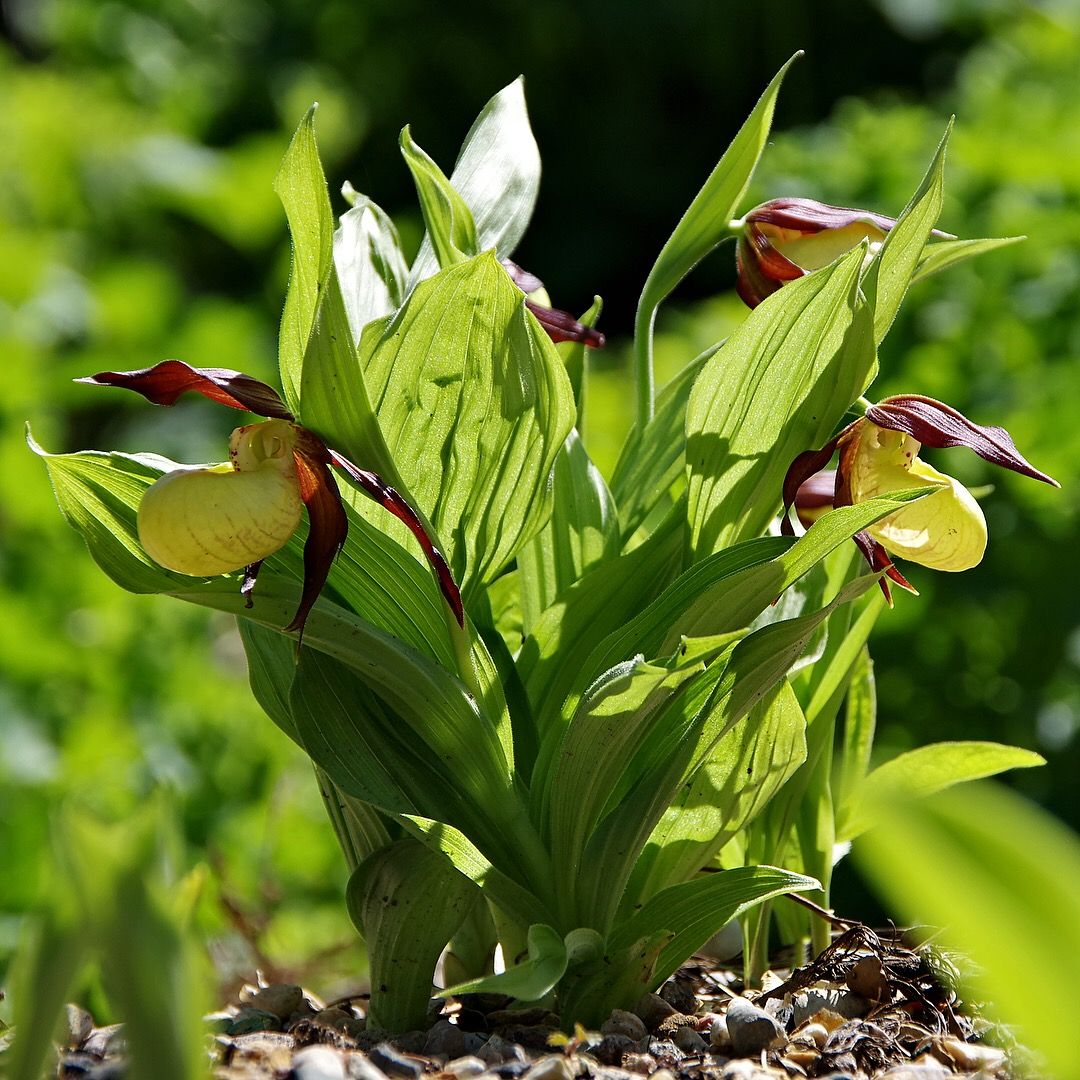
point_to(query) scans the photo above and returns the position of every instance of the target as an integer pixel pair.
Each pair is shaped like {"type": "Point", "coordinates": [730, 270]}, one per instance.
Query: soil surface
{"type": "Point", "coordinates": [868, 1006]}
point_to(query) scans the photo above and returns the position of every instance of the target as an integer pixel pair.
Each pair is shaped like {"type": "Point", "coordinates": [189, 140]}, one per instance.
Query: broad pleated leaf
{"type": "Point", "coordinates": [475, 406]}
{"type": "Point", "coordinates": [653, 460]}
{"type": "Point", "coordinates": [652, 944]}
{"type": "Point", "coordinates": [1002, 878]}
{"type": "Point", "coordinates": [320, 375]}
{"type": "Point", "coordinates": [926, 771]}
{"type": "Point", "coordinates": [779, 384]}
{"type": "Point", "coordinates": [860, 724]}
{"type": "Point", "coordinates": [450, 226]}
{"type": "Point", "coordinates": [410, 900]}
{"type": "Point", "coordinates": [505, 892]}
{"type": "Point", "coordinates": [497, 176]}
{"type": "Point", "coordinates": [887, 280]}
{"type": "Point", "coordinates": [582, 533]}
{"type": "Point", "coordinates": [550, 661]}
{"type": "Point", "coordinates": [532, 978]}
{"type": "Point", "coordinates": [948, 253]}
{"type": "Point", "coordinates": [750, 764]}
{"type": "Point", "coordinates": [370, 265]}
{"type": "Point", "coordinates": [728, 590]}
{"type": "Point", "coordinates": [685, 736]}
{"type": "Point", "coordinates": [614, 718]}
{"type": "Point", "coordinates": [705, 222]}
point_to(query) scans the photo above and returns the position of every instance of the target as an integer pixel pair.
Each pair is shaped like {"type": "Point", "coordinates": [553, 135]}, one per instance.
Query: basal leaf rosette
{"type": "Point", "coordinates": [879, 453]}
{"type": "Point", "coordinates": [208, 520]}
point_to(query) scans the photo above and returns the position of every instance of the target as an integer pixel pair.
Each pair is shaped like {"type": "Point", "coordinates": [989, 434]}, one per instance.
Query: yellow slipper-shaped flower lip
{"type": "Point", "coordinates": [219, 519]}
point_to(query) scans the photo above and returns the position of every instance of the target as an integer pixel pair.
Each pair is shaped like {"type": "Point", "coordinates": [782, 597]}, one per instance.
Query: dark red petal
{"type": "Point", "coordinates": [561, 326]}
{"type": "Point", "coordinates": [526, 282]}
{"type": "Point", "coordinates": [811, 216]}
{"type": "Point", "coordinates": [773, 265]}
{"type": "Point", "coordinates": [935, 424]}
{"type": "Point", "coordinates": [879, 560]}
{"type": "Point", "coordinates": [751, 284]}
{"type": "Point", "coordinates": [327, 524]}
{"type": "Point", "coordinates": [163, 383]}
{"type": "Point", "coordinates": [375, 488]}
{"type": "Point", "coordinates": [802, 468]}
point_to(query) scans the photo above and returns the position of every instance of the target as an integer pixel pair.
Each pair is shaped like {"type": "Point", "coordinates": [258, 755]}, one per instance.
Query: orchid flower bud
{"type": "Point", "coordinates": [784, 239]}
{"type": "Point", "coordinates": [943, 531]}
{"type": "Point", "coordinates": [220, 518]}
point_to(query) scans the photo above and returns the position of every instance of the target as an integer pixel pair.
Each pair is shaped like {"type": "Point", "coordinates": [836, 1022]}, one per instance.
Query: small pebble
{"type": "Point", "coordinates": [689, 1041]}
{"type": "Point", "coordinates": [394, 1063]}
{"type": "Point", "coordinates": [334, 1017]}
{"type": "Point", "coordinates": [751, 1029]}
{"type": "Point", "coordinates": [445, 1040]}
{"type": "Point", "coordinates": [923, 1068]}
{"type": "Point", "coordinates": [318, 1063]}
{"type": "Point", "coordinates": [281, 999]}
{"type": "Point", "coordinates": [611, 1049]}
{"type": "Point", "coordinates": [653, 1010]}
{"type": "Point", "coordinates": [815, 1034]}
{"type": "Point", "coordinates": [79, 1023]}
{"type": "Point", "coordinates": [719, 1039]}
{"type": "Point", "coordinates": [968, 1057]}
{"type": "Point", "coordinates": [466, 1067]}
{"type": "Point", "coordinates": [867, 979]}
{"type": "Point", "coordinates": [641, 1064]}
{"type": "Point", "coordinates": [105, 1040]}
{"type": "Point", "coordinates": [497, 1050]}
{"type": "Point", "coordinates": [678, 992]}
{"type": "Point", "coordinates": [360, 1068]}
{"type": "Point", "coordinates": [250, 1019]}
{"type": "Point", "coordinates": [510, 1070]}
{"type": "Point", "coordinates": [621, 1022]}
{"type": "Point", "coordinates": [806, 1004]}
{"type": "Point", "coordinates": [552, 1067]}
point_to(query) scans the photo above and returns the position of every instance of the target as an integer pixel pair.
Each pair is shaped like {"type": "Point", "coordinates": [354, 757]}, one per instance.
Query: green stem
{"type": "Point", "coordinates": [644, 323]}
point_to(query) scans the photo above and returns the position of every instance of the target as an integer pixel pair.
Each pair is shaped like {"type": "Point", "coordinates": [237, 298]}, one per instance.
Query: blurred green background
{"type": "Point", "coordinates": [138, 142]}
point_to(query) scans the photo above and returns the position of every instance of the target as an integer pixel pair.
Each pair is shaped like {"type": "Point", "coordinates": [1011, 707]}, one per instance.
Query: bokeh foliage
{"type": "Point", "coordinates": [138, 141]}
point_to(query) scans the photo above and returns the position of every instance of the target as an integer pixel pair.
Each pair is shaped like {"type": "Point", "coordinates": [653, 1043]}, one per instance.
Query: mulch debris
{"type": "Point", "coordinates": [871, 1005]}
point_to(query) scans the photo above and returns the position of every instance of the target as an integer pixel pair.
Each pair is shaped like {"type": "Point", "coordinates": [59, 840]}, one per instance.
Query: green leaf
{"type": "Point", "coordinates": [1003, 878]}
{"type": "Point", "coordinates": [450, 225]}
{"type": "Point", "coordinates": [750, 764]}
{"type": "Point", "coordinates": [948, 253]}
{"type": "Point", "coordinates": [701, 228]}
{"type": "Point", "coordinates": [860, 723]}
{"type": "Point", "coordinates": [575, 356]}
{"type": "Point", "coordinates": [653, 459]}
{"type": "Point", "coordinates": [497, 176]}
{"type": "Point", "coordinates": [685, 736]}
{"type": "Point", "coordinates": [533, 978]}
{"type": "Point", "coordinates": [652, 944]}
{"type": "Point", "coordinates": [583, 533]}
{"type": "Point", "coordinates": [926, 771]}
{"type": "Point", "coordinates": [728, 590]}
{"type": "Point", "coordinates": [887, 280]}
{"type": "Point", "coordinates": [301, 186]}
{"type": "Point", "coordinates": [550, 661]}
{"type": "Point", "coordinates": [407, 901]}
{"type": "Point", "coordinates": [779, 385]}
{"type": "Point", "coordinates": [475, 405]}
{"type": "Point", "coordinates": [371, 268]}
{"type": "Point", "coordinates": [595, 757]}
{"type": "Point", "coordinates": [321, 377]}
{"type": "Point", "coordinates": [51, 950]}
{"type": "Point", "coordinates": [271, 661]}
{"type": "Point", "coordinates": [503, 891]}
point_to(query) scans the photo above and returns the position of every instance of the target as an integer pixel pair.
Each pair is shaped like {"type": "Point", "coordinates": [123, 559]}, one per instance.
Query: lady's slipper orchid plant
{"type": "Point", "coordinates": [627, 703]}
{"type": "Point", "coordinates": [878, 454]}
{"type": "Point", "coordinates": [209, 520]}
